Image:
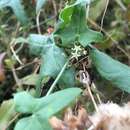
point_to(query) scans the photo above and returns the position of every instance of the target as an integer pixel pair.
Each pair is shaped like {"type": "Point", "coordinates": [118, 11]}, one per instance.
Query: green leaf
{"type": "Point", "coordinates": [43, 108]}
{"type": "Point", "coordinates": [66, 13]}
{"type": "Point", "coordinates": [112, 70]}
{"type": "Point", "coordinates": [6, 113]}
{"type": "Point", "coordinates": [27, 105]}
{"type": "Point", "coordinates": [67, 79]}
{"type": "Point", "coordinates": [36, 43]}
{"type": "Point", "coordinates": [72, 26]}
{"type": "Point", "coordinates": [39, 5]}
{"type": "Point", "coordinates": [32, 123]}
{"type": "Point", "coordinates": [17, 8]}
{"type": "Point", "coordinates": [49, 105]}
{"type": "Point", "coordinates": [53, 59]}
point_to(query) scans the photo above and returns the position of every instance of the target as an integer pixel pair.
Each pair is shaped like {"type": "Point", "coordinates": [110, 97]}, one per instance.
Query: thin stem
{"type": "Point", "coordinates": [38, 87]}
{"type": "Point", "coordinates": [87, 12]}
{"type": "Point", "coordinates": [97, 95]}
{"type": "Point", "coordinates": [57, 78]}
{"type": "Point", "coordinates": [38, 23]}
{"type": "Point", "coordinates": [92, 98]}
{"type": "Point", "coordinates": [55, 7]}
{"type": "Point", "coordinates": [15, 55]}
{"type": "Point", "coordinates": [18, 82]}
{"type": "Point", "coordinates": [11, 121]}
{"type": "Point", "coordinates": [104, 15]}
{"type": "Point", "coordinates": [119, 2]}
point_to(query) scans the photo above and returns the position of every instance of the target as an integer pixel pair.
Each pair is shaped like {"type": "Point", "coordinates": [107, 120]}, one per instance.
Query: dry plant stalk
{"type": "Point", "coordinates": [2, 71]}
{"type": "Point", "coordinates": [109, 117]}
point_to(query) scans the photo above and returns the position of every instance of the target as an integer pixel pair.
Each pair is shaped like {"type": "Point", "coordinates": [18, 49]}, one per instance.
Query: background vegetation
{"type": "Point", "coordinates": [44, 47]}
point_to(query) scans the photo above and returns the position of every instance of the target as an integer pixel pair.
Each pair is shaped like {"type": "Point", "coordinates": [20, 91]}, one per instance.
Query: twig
{"type": "Point", "coordinates": [104, 15]}
{"type": "Point", "coordinates": [15, 55]}
{"type": "Point", "coordinates": [20, 48]}
{"type": "Point", "coordinates": [17, 29]}
{"type": "Point", "coordinates": [12, 68]}
{"type": "Point", "coordinates": [60, 5]}
{"type": "Point", "coordinates": [85, 79]}
{"type": "Point", "coordinates": [55, 7]}
{"type": "Point", "coordinates": [37, 21]}
{"type": "Point", "coordinates": [119, 2]}
{"type": "Point", "coordinates": [87, 12]}
{"type": "Point", "coordinates": [92, 98]}
{"type": "Point", "coordinates": [11, 121]}
{"type": "Point", "coordinates": [16, 78]}
{"type": "Point", "coordinates": [30, 63]}
{"type": "Point", "coordinates": [97, 95]}
{"type": "Point", "coordinates": [43, 22]}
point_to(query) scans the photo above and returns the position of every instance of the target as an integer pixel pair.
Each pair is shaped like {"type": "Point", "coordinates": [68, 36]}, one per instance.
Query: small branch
{"type": "Point", "coordinates": [18, 82]}
{"type": "Point", "coordinates": [55, 7]}
{"type": "Point", "coordinates": [11, 121]}
{"type": "Point", "coordinates": [92, 97]}
{"type": "Point", "coordinates": [38, 23]}
{"type": "Point", "coordinates": [17, 29]}
{"type": "Point", "coordinates": [119, 2]}
{"type": "Point", "coordinates": [12, 68]}
{"type": "Point", "coordinates": [87, 12]}
{"type": "Point", "coordinates": [104, 15]}
{"type": "Point", "coordinates": [97, 95]}
{"type": "Point", "coordinates": [57, 78]}
{"type": "Point", "coordinates": [85, 79]}
{"type": "Point", "coordinates": [15, 55]}
{"type": "Point", "coordinates": [60, 5]}
{"type": "Point", "coordinates": [28, 64]}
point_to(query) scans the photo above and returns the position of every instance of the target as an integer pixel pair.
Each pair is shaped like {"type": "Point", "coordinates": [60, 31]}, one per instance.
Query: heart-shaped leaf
{"type": "Point", "coordinates": [72, 26]}
{"type": "Point", "coordinates": [43, 108]}
{"type": "Point", "coordinates": [36, 43]}
{"type": "Point", "coordinates": [112, 70]}
{"type": "Point", "coordinates": [53, 59]}
{"type": "Point", "coordinates": [17, 8]}
{"type": "Point", "coordinates": [32, 123]}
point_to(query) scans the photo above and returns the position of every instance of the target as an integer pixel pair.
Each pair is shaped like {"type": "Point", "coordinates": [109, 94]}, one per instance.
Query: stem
{"type": "Point", "coordinates": [38, 23]}
{"type": "Point", "coordinates": [97, 95]}
{"type": "Point", "coordinates": [119, 2]}
{"type": "Point", "coordinates": [87, 12]}
{"type": "Point", "coordinates": [38, 87]}
{"type": "Point", "coordinates": [104, 15]}
{"type": "Point", "coordinates": [57, 78]}
{"type": "Point", "coordinates": [92, 98]}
